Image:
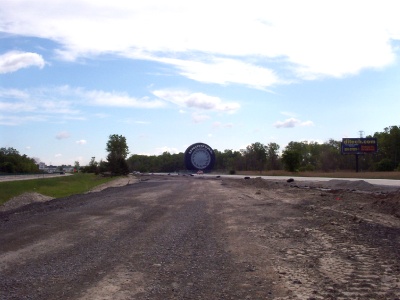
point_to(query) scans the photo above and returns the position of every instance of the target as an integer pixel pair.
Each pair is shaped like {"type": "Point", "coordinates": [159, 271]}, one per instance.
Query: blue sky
{"type": "Point", "coordinates": [167, 74]}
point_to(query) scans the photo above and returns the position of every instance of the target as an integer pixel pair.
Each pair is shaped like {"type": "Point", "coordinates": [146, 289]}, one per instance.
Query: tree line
{"type": "Point", "coordinates": [11, 161]}
{"type": "Point", "coordinates": [296, 156]}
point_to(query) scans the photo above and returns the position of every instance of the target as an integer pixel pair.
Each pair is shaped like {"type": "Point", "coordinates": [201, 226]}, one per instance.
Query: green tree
{"type": "Point", "coordinates": [291, 160]}
{"type": "Point", "coordinates": [12, 162]}
{"type": "Point", "coordinates": [328, 156]}
{"type": "Point", "coordinates": [272, 153]}
{"type": "Point", "coordinates": [76, 166]}
{"type": "Point", "coordinates": [389, 146]}
{"type": "Point", "coordinates": [232, 160]}
{"type": "Point", "coordinates": [93, 166]}
{"type": "Point", "coordinates": [219, 160]}
{"type": "Point", "coordinates": [256, 156]}
{"type": "Point", "coordinates": [139, 163]}
{"type": "Point", "coordinates": [384, 165]}
{"type": "Point", "coordinates": [118, 150]}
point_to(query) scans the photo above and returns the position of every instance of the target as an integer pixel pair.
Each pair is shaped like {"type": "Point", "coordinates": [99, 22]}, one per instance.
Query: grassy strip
{"type": "Point", "coordinates": [54, 187]}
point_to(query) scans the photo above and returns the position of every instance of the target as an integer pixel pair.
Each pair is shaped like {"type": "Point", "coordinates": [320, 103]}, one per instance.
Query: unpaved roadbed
{"type": "Point", "coordinates": [196, 238]}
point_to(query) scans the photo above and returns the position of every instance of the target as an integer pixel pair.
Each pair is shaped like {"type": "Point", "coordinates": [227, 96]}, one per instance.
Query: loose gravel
{"type": "Point", "coordinates": [195, 238]}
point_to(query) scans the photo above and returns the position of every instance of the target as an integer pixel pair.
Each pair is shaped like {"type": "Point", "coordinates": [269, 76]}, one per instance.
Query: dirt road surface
{"type": "Point", "coordinates": [188, 237]}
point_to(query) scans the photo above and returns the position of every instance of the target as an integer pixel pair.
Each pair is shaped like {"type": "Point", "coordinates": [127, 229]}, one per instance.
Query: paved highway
{"type": "Point", "coordinates": [30, 176]}
{"type": "Point", "coordinates": [390, 182]}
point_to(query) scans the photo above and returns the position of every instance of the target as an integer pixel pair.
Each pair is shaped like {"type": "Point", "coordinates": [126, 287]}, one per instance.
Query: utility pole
{"type": "Point", "coordinates": [361, 132]}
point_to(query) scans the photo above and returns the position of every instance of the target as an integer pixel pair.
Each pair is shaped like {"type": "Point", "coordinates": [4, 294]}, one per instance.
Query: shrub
{"type": "Point", "coordinates": [384, 165]}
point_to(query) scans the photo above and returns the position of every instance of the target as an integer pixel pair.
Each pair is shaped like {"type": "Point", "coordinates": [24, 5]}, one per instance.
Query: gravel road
{"type": "Point", "coordinates": [205, 238]}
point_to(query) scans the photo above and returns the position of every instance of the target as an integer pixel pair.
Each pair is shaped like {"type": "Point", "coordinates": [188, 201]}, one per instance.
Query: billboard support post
{"type": "Point", "coordinates": [357, 163]}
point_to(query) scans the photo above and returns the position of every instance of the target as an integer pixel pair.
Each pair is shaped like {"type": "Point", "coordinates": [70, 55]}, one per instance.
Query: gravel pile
{"type": "Point", "coordinates": [24, 199]}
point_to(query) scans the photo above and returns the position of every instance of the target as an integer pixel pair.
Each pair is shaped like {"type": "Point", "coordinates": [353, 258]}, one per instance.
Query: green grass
{"type": "Point", "coordinates": [54, 187]}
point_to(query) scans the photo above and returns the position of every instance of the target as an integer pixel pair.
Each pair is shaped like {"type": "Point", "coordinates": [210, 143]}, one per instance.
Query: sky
{"type": "Point", "coordinates": [168, 74]}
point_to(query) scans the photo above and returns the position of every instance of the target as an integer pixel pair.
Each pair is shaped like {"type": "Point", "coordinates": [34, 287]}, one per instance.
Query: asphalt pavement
{"type": "Point", "coordinates": [390, 182]}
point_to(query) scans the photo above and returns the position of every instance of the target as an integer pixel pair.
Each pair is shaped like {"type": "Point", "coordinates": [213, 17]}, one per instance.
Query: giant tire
{"type": "Point", "coordinates": [199, 156]}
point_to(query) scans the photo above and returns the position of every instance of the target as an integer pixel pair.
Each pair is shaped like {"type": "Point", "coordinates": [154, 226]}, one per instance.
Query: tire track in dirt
{"type": "Point", "coordinates": [191, 238]}
{"type": "Point", "coordinates": [321, 252]}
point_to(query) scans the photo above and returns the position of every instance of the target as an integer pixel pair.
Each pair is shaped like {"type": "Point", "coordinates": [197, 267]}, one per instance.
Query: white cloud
{"type": "Point", "coordinates": [133, 121]}
{"type": "Point", "coordinates": [226, 71]}
{"type": "Point", "coordinates": [289, 114]}
{"type": "Point", "coordinates": [62, 103]}
{"type": "Point", "coordinates": [196, 101]}
{"type": "Point", "coordinates": [42, 104]}
{"type": "Point", "coordinates": [58, 155]}
{"type": "Point", "coordinates": [292, 122]}
{"type": "Point", "coordinates": [161, 150]}
{"type": "Point", "coordinates": [15, 60]}
{"type": "Point", "coordinates": [13, 94]}
{"type": "Point", "coordinates": [255, 44]}
{"type": "Point", "coordinates": [81, 142]}
{"type": "Point", "coordinates": [14, 120]}
{"type": "Point", "coordinates": [199, 118]}
{"type": "Point", "coordinates": [218, 125]}
{"type": "Point", "coordinates": [101, 98]}
{"type": "Point", "coordinates": [101, 115]}
{"type": "Point", "coordinates": [63, 135]}
{"type": "Point", "coordinates": [17, 107]}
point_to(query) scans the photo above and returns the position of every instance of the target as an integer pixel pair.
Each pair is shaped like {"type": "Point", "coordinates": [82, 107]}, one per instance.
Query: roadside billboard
{"type": "Point", "coordinates": [359, 145]}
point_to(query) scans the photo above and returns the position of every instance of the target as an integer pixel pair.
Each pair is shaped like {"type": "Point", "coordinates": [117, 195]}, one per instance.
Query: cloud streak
{"type": "Point", "coordinates": [199, 118]}
{"type": "Point", "coordinates": [218, 125]}
{"type": "Point", "coordinates": [115, 99]}
{"type": "Point", "coordinates": [291, 123]}
{"type": "Point", "coordinates": [225, 71]}
{"type": "Point", "coordinates": [68, 103]}
{"type": "Point", "coordinates": [63, 135]}
{"type": "Point", "coordinates": [258, 45]}
{"type": "Point", "coordinates": [197, 101]}
{"type": "Point", "coordinates": [62, 102]}
{"type": "Point", "coordinates": [13, 61]}
{"type": "Point", "coordinates": [81, 142]}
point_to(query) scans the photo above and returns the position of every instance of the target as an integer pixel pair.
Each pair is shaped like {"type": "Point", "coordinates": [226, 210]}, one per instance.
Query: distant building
{"type": "Point", "coordinates": [55, 169]}
{"type": "Point", "coordinates": [51, 169]}
{"type": "Point", "coordinates": [69, 169]}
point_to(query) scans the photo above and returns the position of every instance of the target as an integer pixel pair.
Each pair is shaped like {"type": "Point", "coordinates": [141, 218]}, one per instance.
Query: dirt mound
{"type": "Point", "coordinates": [257, 182]}
{"type": "Point", "coordinates": [389, 204]}
{"type": "Point", "coordinates": [334, 184]}
{"type": "Point", "coordinates": [121, 181]}
{"type": "Point", "coordinates": [350, 185]}
{"type": "Point", "coordinates": [24, 199]}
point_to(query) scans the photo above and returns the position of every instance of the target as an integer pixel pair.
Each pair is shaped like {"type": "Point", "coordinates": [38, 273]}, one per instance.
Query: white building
{"type": "Point", "coordinates": [55, 169]}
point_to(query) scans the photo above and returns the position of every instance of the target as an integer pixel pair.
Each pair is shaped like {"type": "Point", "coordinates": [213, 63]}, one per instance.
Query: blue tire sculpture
{"type": "Point", "coordinates": [199, 157]}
